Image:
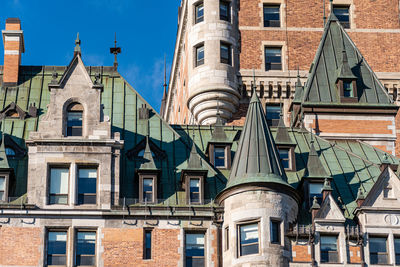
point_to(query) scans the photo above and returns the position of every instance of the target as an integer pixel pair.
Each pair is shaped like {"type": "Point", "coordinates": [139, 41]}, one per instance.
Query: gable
{"type": "Point", "coordinates": [385, 194]}
{"type": "Point", "coordinates": [321, 84]}
{"type": "Point", "coordinates": [330, 211]}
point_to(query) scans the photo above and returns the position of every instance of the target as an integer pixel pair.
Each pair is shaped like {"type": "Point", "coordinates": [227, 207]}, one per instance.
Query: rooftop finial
{"type": "Point", "coordinates": [165, 73]}
{"type": "Point", "coordinates": [115, 50]}
{"type": "Point", "coordinates": [77, 49]}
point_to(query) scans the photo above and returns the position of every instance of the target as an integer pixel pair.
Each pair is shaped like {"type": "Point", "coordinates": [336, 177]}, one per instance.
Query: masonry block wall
{"type": "Point", "coordinates": [301, 252]}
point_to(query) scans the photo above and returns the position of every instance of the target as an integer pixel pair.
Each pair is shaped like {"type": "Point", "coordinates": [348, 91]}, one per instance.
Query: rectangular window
{"type": "Point", "coordinates": [225, 11]}
{"type": "Point", "coordinates": [74, 123]}
{"type": "Point", "coordinates": [248, 239]}
{"type": "Point", "coordinates": [397, 249]}
{"type": "Point", "coordinates": [199, 12]}
{"type": "Point", "coordinates": [348, 89]}
{"type": "Point", "coordinates": [275, 232]}
{"type": "Point", "coordinates": [56, 248]}
{"type": "Point", "coordinates": [194, 190]}
{"type": "Point", "coordinates": [219, 157]}
{"type": "Point", "coordinates": [273, 58]}
{"type": "Point", "coordinates": [199, 55]}
{"type": "Point", "coordinates": [85, 248]}
{"type": "Point", "coordinates": [2, 188]}
{"type": "Point", "coordinates": [147, 245]}
{"type": "Point", "coordinates": [148, 189]}
{"type": "Point", "coordinates": [329, 249]}
{"type": "Point", "coordinates": [87, 183]}
{"type": "Point", "coordinates": [226, 53]}
{"type": "Point", "coordinates": [194, 249]}
{"type": "Point", "coordinates": [58, 189]}
{"type": "Point", "coordinates": [284, 154]}
{"type": "Point", "coordinates": [378, 250]}
{"type": "Point", "coordinates": [273, 115]}
{"type": "Point", "coordinates": [272, 16]}
{"type": "Point", "coordinates": [343, 15]}
{"type": "Point", "coordinates": [227, 238]}
{"type": "Point", "coordinates": [315, 190]}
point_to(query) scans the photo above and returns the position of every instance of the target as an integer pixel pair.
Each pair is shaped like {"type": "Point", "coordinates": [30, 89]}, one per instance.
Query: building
{"type": "Point", "coordinates": [223, 48]}
{"type": "Point", "coordinates": [91, 175]}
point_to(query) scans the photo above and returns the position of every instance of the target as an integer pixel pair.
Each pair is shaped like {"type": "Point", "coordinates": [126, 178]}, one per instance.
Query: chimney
{"type": "Point", "coordinates": [13, 40]}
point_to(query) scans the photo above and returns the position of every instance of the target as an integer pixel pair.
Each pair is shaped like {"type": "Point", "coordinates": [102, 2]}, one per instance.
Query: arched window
{"type": "Point", "coordinates": [74, 119]}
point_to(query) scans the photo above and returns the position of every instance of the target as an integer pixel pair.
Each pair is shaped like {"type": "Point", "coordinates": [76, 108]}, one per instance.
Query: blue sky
{"type": "Point", "coordinates": [146, 31]}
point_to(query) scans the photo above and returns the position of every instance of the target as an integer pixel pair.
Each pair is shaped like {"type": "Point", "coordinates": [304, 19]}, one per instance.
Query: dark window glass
{"type": "Point", "coordinates": [378, 250]}
{"type": "Point", "coordinates": [219, 157]}
{"type": "Point", "coordinates": [199, 13]}
{"type": "Point", "coordinates": [199, 55]}
{"type": "Point", "coordinates": [57, 248]}
{"type": "Point", "coordinates": [273, 58]}
{"type": "Point", "coordinates": [271, 16]}
{"type": "Point", "coordinates": [58, 191]}
{"type": "Point", "coordinates": [147, 247]}
{"type": "Point", "coordinates": [397, 249]}
{"type": "Point", "coordinates": [342, 13]}
{"type": "Point", "coordinates": [329, 251]}
{"type": "Point", "coordinates": [226, 54]}
{"type": "Point", "coordinates": [74, 119]}
{"type": "Point", "coordinates": [226, 238]}
{"type": "Point", "coordinates": [315, 190]}
{"type": "Point", "coordinates": [87, 186]}
{"type": "Point", "coordinates": [10, 152]}
{"type": "Point", "coordinates": [148, 189]}
{"type": "Point", "coordinates": [85, 248]}
{"type": "Point", "coordinates": [194, 193]}
{"type": "Point", "coordinates": [275, 232]}
{"type": "Point", "coordinates": [284, 154]}
{"type": "Point", "coordinates": [194, 250]}
{"type": "Point", "coordinates": [224, 11]}
{"type": "Point", "coordinates": [273, 115]}
{"type": "Point", "coordinates": [348, 89]}
{"type": "Point", "coordinates": [248, 239]}
{"type": "Point", "coordinates": [2, 188]}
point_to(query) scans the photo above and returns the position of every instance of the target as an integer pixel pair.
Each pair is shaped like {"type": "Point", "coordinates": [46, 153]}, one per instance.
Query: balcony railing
{"type": "Point", "coordinates": [165, 202]}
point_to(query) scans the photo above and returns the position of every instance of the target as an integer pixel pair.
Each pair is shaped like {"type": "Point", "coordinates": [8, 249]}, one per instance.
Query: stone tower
{"type": "Point", "coordinates": [259, 203]}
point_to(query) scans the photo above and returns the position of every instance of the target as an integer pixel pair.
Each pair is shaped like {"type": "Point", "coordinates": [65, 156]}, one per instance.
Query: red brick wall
{"type": "Point", "coordinates": [353, 126]}
{"type": "Point", "coordinates": [301, 252]}
{"type": "Point", "coordinates": [20, 246]}
{"type": "Point", "coordinates": [124, 247]}
{"type": "Point", "coordinates": [354, 254]}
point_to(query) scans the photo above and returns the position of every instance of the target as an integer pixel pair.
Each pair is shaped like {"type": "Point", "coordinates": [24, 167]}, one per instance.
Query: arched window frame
{"type": "Point", "coordinates": [70, 129]}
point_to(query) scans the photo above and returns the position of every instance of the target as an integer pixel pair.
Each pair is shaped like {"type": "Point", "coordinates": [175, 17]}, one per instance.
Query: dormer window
{"type": "Point", "coordinates": [347, 89]}
{"type": "Point", "coordinates": [315, 190]}
{"type": "Point", "coordinates": [194, 189]}
{"type": "Point", "coordinates": [286, 154]}
{"type": "Point", "coordinates": [219, 157]}
{"type": "Point", "coordinates": [74, 119]}
{"type": "Point", "coordinates": [148, 187]}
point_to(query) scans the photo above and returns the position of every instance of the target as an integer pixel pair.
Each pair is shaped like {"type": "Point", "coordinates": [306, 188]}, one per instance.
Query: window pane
{"type": "Point", "coordinates": [85, 248]}
{"type": "Point", "coordinates": [195, 190]}
{"type": "Point", "coordinates": [249, 239]}
{"type": "Point", "coordinates": [315, 190]}
{"type": "Point", "coordinates": [225, 54]}
{"type": "Point", "coordinates": [329, 249]}
{"type": "Point", "coordinates": [271, 16]}
{"type": "Point", "coordinates": [148, 189]}
{"type": "Point", "coordinates": [342, 13]}
{"type": "Point", "coordinates": [194, 250]}
{"type": "Point", "coordinates": [56, 248]}
{"type": "Point", "coordinates": [224, 11]}
{"type": "Point", "coordinates": [273, 115]}
{"type": "Point", "coordinates": [378, 250]}
{"type": "Point", "coordinates": [58, 186]}
{"type": "Point", "coordinates": [285, 157]}
{"type": "Point", "coordinates": [147, 245]}
{"type": "Point", "coordinates": [273, 58]}
{"type": "Point", "coordinates": [74, 123]}
{"type": "Point", "coordinates": [2, 183]}
{"type": "Point", "coordinates": [275, 232]}
{"type": "Point", "coordinates": [348, 89]}
{"type": "Point", "coordinates": [87, 186]}
{"type": "Point", "coordinates": [397, 249]}
{"type": "Point", "coordinates": [219, 156]}
{"type": "Point", "coordinates": [199, 55]}
{"type": "Point", "coordinates": [199, 13]}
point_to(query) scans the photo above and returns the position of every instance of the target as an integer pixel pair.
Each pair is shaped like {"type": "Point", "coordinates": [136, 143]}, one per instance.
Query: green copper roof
{"type": "Point", "coordinates": [330, 63]}
{"type": "Point", "coordinates": [218, 135]}
{"type": "Point", "coordinates": [148, 163]}
{"type": "Point", "coordinates": [282, 135]}
{"type": "Point", "coordinates": [3, 157]}
{"type": "Point", "coordinates": [257, 158]}
{"type": "Point", "coordinates": [315, 169]}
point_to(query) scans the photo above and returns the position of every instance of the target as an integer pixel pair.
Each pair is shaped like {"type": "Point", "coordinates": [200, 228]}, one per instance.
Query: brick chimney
{"type": "Point", "coordinates": [13, 40]}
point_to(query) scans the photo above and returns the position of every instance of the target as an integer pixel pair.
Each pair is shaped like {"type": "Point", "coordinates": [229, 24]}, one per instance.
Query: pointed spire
{"type": "Point", "coordinates": [194, 162]}
{"type": "Point", "coordinates": [164, 97]}
{"type": "Point", "coordinates": [254, 97]}
{"type": "Point", "coordinates": [256, 159]}
{"type": "Point", "coordinates": [299, 89]}
{"type": "Point", "coordinates": [77, 50]}
{"type": "Point", "coordinates": [115, 50]}
{"type": "Point", "coordinates": [148, 163]}
{"type": "Point", "coordinates": [344, 70]}
{"type": "Point", "coordinates": [218, 135]}
{"type": "Point", "coordinates": [3, 156]}
{"type": "Point", "coordinates": [332, 16]}
{"type": "Point", "coordinates": [282, 134]}
{"type": "Point", "coordinates": [315, 168]}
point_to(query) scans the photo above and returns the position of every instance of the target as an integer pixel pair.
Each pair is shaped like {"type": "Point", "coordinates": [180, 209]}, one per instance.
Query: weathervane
{"type": "Point", "coordinates": [115, 50]}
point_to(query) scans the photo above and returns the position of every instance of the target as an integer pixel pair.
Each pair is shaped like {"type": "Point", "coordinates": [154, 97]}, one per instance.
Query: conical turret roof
{"type": "Point", "coordinates": [315, 169]}
{"type": "Point", "coordinates": [194, 162]}
{"type": "Point", "coordinates": [256, 159]}
{"type": "Point", "coordinates": [282, 134]}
